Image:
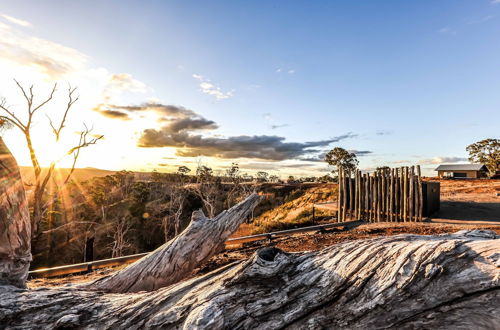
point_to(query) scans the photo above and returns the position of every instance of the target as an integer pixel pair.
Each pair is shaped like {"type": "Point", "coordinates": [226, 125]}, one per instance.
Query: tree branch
{"type": "Point", "coordinates": [71, 101]}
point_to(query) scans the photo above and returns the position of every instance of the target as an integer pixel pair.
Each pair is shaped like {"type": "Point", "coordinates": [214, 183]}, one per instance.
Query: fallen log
{"type": "Point", "coordinates": [402, 282]}
{"type": "Point", "coordinates": [15, 227]}
{"type": "Point", "coordinates": [177, 258]}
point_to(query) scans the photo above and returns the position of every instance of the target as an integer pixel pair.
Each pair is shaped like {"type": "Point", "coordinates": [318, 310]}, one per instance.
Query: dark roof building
{"type": "Point", "coordinates": [470, 171]}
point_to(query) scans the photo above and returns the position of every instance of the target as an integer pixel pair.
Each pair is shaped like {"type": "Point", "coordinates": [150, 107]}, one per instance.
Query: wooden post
{"type": "Point", "coordinates": [401, 193]}
{"type": "Point", "coordinates": [391, 195]}
{"type": "Point", "coordinates": [411, 193]}
{"type": "Point", "coordinates": [382, 194]}
{"type": "Point", "coordinates": [420, 197]}
{"type": "Point", "coordinates": [367, 196]}
{"type": "Point", "coordinates": [405, 193]}
{"type": "Point", "coordinates": [346, 197]}
{"type": "Point", "coordinates": [371, 197]}
{"type": "Point", "coordinates": [360, 185]}
{"type": "Point", "coordinates": [351, 197]}
{"type": "Point", "coordinates": [376, 197]}
{"type": "Point", "coordinates": [396, 194]}
{"type": "Point", "coordinates": [356, 195]}
{"type": "Point", "coordinates": [340, 197]}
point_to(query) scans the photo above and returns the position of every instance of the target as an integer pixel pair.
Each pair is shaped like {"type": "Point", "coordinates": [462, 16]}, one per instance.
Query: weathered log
{"type": "Point", "coordinates": [15, 227]}
{"type": "Point", "coordinates": [400, 282]}
{"type": "Point", "coordinates": [177, 258]}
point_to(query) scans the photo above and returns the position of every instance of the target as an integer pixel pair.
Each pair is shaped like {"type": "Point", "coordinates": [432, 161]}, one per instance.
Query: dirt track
{"type": "Point", "coordinates": [468, 201]}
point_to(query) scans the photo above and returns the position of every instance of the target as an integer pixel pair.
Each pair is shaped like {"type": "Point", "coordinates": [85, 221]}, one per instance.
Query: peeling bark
{"type": "Point", "coordinates": [400, 282]}
{"type": "Point", "coordinates": [15, 229]}
{"type": "Point", "coordinates": [177, 258]}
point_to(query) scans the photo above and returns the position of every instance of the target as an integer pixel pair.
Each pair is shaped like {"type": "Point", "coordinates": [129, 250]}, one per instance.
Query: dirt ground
{"type": "Point", "coordinates": [296, 243]}
{"type": "Point", "coordinates": [469, 201]}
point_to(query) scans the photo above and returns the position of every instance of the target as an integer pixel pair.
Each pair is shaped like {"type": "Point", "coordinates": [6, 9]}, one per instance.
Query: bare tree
{"type": "Point", "coordinates": [32, 108]}
{"type": "Point", "coordinates": [234, 177]}
{"type": "Point", "coordinates": [207, 188]}
{"type": "Point", "coordinates": [120, 242]}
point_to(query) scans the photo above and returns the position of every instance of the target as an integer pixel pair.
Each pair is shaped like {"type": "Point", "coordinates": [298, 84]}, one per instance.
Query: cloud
{"type": "Point", "coordinates": [178, 134]}
{"type": "Point", "coordinates": [115, 114]}
{"type": "Point", "coordinates": [299, 165]}
{"type": "Point", "coordinates": [243, 146]}
{"type": "Point", "coordinates": [269, 118]}
{"type": "Point", "coordinates": [482, 19]}
{"type": "Point", "coordinates": [448, 31]}
{"type": "Point", "coordinates": [49, 58]}
{"type": "Point", "coordinates": [189, 124]}
{"type": "Point", "coordinates": [495, 2]}
{"type": "Point", "coordinates": [321, 156]}
{"type": "Point", "coordinates": [278, 126]}
{"type": "Point", "coordinates": [175, 119]}
{"type": "Point", "coordinates": [167, 112]}
{"type": "Point", "coordinates": [17, 21]}
{"type": "Point", "coordinates": [207, 87]}
{"type": "Point", "coordinates": [383, 132]}
{"type": "Point", "coordinates": [122, 82]}
{"type": "Point", "coordinates": [401, 161]}
{"type": "Point", "coordinates": [284, 70]}
{"type": "Point", "coordinates": [441, 160]}
{"type": "Point", "coordinates": [361, 153]}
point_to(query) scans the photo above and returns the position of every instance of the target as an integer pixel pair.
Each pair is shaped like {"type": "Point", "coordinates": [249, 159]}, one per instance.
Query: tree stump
{"type": "Point", "coordinates": [15, 228]}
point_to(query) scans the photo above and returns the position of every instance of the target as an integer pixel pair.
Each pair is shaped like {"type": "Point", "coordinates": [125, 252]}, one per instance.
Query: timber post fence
{"type": "Point", "coordinates": [391, 195]}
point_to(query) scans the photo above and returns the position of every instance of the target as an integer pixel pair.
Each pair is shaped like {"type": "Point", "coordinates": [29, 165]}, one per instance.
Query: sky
{"type": "Point", "coordinates": [270, 85]}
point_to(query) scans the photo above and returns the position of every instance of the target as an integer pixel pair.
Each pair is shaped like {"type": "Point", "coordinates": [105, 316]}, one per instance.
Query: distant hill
{"type": "Point", "coordinates": [80, 174]}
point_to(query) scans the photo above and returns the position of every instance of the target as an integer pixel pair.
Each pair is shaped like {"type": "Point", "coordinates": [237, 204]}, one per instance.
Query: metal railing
{"type": "Point", "coordinates": [113, 262]}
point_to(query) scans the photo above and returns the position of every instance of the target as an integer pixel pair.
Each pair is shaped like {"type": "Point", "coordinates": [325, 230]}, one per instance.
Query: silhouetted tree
{"type": "Point", "coordinates": [13, 119]}
{"type": "Point", "coordinates": [339, 157]}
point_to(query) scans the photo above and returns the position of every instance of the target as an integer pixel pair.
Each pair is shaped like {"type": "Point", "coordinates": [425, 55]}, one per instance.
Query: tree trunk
{"type": "Point", "coordinates": [400, 282]}
{"type": "Point", "coordinates": [15, 230]}
{"type": "Point", "coordinates": [177, 258]}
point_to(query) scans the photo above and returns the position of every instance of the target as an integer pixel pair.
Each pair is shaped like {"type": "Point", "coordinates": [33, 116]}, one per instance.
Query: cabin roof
{"type": "Point", "coordinates": [460, 167]}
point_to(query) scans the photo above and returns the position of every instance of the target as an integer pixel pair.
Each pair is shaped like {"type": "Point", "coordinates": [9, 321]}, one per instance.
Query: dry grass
{"type": "Point", "coordinates": [296, 212]}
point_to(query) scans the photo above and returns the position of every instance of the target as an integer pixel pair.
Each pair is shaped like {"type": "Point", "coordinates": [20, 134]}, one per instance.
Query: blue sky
{"type": "Point", "coordinates": [409, 81]}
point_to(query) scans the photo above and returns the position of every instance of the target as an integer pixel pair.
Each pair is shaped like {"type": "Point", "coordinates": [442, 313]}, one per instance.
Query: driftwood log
{"type": "Point", "coordinates": [176, 259]}
{"type": "Point", "coordinates": [400, 282]}
{"type": "Point", "coordinates": [15, 227]}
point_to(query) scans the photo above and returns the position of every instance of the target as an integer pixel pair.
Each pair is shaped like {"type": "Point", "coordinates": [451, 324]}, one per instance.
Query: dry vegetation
{"type": "Point", "coordinates": [295, 211]}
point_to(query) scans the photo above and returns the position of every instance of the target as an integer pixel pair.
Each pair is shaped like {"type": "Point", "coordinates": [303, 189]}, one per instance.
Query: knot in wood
{"type": "Point", "coordinates": [269, 253]}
